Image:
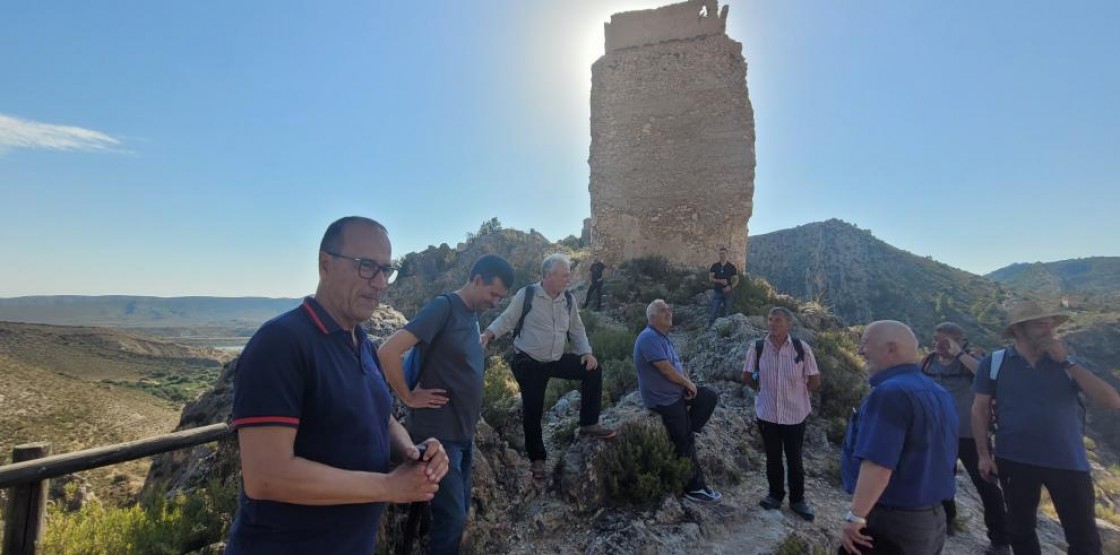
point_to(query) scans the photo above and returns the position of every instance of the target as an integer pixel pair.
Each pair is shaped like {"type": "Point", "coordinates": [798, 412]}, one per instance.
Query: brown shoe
{"type": "Point", "coordinates": [596, 431]}
{"type": "Point", "coordinates": [539, 470]}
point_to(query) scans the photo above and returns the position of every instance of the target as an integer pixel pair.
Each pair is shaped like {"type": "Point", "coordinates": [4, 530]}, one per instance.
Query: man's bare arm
{"type": "Point", "coordinates": [271, 471]}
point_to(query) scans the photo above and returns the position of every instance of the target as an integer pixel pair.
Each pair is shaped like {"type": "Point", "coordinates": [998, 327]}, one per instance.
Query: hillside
{"type": "Point", "coordinates": [55, 386]}
{"type": "Point", "coordinates": [861, 278]}
{"type": "Point", "coordinates": [1092, 280]}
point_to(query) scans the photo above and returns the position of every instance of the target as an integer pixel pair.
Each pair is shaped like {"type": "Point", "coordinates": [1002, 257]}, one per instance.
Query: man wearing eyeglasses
{"type": "Point", "coordinates": [312, 414]}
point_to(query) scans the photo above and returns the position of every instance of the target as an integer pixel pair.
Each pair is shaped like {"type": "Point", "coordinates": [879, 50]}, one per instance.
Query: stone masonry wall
{"type": "Point", "coordinates": [672, 138]}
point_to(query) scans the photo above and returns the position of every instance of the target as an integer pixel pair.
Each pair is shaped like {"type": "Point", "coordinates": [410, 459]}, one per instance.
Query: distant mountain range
{"type": "Point", "coordinates": [861, 279]}
{"type": "Point", "coordinates": [122, 311]}
{"type": "Point", "coordinates": [1097, 276]}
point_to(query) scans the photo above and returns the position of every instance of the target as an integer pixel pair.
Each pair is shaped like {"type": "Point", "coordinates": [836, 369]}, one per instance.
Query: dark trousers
{"type": "Point", "coordinates": [721, 304]}
{"type": "Point", "coordinates": [788, 439]}
{"type": "Point", "coordinates": [452, 502]}
{"type": "Point", "coordinates": [1073, 497]}
{"type": "Point", "coordinates": [595, 289]}
{"type": "Point", "coordinates": [906, 531]}
{"type": "Point", "coordinates": [532, 378]}
{"type": "Point", "coordinates": [995, 514]}
{"type": "Point", "coordinates": [682, 420]}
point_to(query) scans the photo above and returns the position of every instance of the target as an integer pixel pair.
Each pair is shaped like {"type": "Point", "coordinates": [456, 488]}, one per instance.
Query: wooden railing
{"type": "Point", "coordinates": [27, 478]}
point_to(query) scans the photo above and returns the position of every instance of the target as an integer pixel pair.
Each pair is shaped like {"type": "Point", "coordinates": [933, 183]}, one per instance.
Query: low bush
{"type": "Point", "coordinates": [642, 465]}
{"type": "Point", "coordinates": [612, 344]}
{"type": "Point", "coordinates": [499, 390]}
{"type": "Point", "coordinates": [157, 524]}
{"type": "Point", "coordinates": [843, 381]}
{"type": "Point", "coordinates": [619, 378]}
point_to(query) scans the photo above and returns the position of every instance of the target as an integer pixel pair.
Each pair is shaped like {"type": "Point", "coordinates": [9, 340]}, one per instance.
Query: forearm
{"type": "Point", "coordinates": [969, 362]}
{"type": "Point", "coordinates": [671, 373]}
{"type": "Point", "coordinates": [873, 479]}
{"type": "Point", "coordinates": [305, 482]}
{"type": "Point", "coordinates": [814, 383]}
{"type": "Point", "coordinates": [1097, 390]}
{"type": "Point", "coordinates": [981, 420]}
{"type": "Point", "coordinates": [390, 354]}
{"type": "Point", "coordinates": [399, 440]}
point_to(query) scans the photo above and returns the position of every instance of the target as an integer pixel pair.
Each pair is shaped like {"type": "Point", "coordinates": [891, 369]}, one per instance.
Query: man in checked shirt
{"type": "Point", "coordinates": [783, 370]}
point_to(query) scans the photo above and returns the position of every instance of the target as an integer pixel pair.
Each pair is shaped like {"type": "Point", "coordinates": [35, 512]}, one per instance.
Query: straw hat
{"type": "Point", "coordinates": [1025, 311]}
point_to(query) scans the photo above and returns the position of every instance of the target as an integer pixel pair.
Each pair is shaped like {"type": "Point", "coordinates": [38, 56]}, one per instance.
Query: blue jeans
{"type": "Point", "coordinates": [452, 502]}
{"type": "Point", "coordinates": [719, 298]}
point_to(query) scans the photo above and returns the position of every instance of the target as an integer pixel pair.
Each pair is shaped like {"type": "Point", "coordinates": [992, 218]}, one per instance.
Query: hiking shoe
{"type": "Point", "coordinates": [596, 431]}
{"type": "Point", "coordinates": [770, 503]}
{"type": "Point", "coordinates": [803, 510]}
{"type": "Point", "coordinates": [998, 550]}
{"type": "Point", "coordinates": [539, 469]}
{"type": "Point", "coordinates": [704, 495]}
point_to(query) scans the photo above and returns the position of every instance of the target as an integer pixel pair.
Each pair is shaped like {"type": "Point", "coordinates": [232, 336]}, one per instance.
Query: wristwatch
{"type": "Point", "coordinates": [851, 517]}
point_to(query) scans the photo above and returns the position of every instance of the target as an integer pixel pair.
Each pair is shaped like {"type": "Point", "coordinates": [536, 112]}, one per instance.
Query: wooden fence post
{"type": "Point", "coordinates": [27, 503]}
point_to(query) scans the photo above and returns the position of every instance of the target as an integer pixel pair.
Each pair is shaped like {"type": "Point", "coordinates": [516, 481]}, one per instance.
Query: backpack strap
{"type": "Point", "coordinates": [799, 348]}
{"type": "Point", "coordinates": [526, 306]}
{"type": "Point", "coordinates": [926, 362]}
{"type": "Point", "coordinates": [759, 344]}
{"type": "Point", "coordinates": [997, 362]}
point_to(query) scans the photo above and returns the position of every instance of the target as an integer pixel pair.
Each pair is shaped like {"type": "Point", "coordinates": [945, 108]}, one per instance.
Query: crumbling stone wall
{"type": "Point", "coordinates": [672, 138]}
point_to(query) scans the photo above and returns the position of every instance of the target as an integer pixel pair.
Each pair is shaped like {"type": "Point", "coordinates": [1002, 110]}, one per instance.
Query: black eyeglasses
{"type": "Point", "coordinates": [368, 269]}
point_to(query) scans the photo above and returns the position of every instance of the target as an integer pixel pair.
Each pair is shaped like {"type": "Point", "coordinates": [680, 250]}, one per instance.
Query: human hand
{"type": "Point", "coordinates": [409, 482]}
{"type": "Point", "coordinates": [427, 398]}
{"type": "Point", "coordinates": [433, 455]}
{"type": "Point", "coordinates": [988, 469]}
{"type": "Point", "coordinates": [726, 288]}
{"type": "Point", "coordinates": [589, 362]}
{"type": "Point", "coordinates": [485, 338]}
{"type": "Point", "coordinates": [1057, 350]}
{"type": "Point", "coordinates": [689, 390]}
{"type": "Point", "coordinates": [853, 538]}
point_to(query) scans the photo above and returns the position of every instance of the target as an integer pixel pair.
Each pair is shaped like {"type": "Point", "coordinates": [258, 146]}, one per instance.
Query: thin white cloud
{"type": "Point", "coordinates": [21, 133]}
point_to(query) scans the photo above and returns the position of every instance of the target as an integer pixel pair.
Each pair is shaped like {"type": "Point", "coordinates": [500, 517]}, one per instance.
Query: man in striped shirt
{"type": "Point", "coordinates": [783, 370]}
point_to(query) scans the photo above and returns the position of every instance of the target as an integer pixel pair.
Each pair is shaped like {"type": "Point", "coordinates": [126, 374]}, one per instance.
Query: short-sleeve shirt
{"type": "Point", "coordinates": [1037, 413]}
{"type": "Point", "coordinates": [453, 363]}
{"type": "Point", "coordinates": [597, 271]}
{"type": "Point", "coordinates": [655, 389]}
{"type": "Point", "coordinates": [722, 271]}
{"type": "Point", "coordinates": [783, 389]}
{"type": "Point", "coordinates": [957, 380]}
{"type": "Point", "coordinates": [909, 425]}
{"type": "Point", "coordinates": [301, 370]}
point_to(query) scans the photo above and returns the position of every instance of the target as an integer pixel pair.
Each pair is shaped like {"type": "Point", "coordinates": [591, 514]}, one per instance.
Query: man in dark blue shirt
{"type": "Point", "coordinates": [311, 411]}
{"type": "Point", "coordinates": [724, 277]}
{"type": "Point", "coordinates": [900, 451]}
{"type": "Point", "coordinates": [1038, 438]}
{"type": "Point", "coordinates": [445, 332]}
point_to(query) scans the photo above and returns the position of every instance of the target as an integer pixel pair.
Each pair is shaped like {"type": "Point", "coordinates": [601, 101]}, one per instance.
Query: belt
{"type": "Point", "coordinates": [907, 509]}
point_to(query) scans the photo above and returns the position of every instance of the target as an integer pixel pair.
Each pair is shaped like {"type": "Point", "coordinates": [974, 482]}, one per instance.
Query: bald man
{"type": "Point", "coordinates": [899, 452]}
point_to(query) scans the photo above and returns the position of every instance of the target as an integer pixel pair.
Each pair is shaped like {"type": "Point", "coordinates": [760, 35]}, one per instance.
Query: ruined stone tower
{"type": "Point", "coordinates": [672, 138]}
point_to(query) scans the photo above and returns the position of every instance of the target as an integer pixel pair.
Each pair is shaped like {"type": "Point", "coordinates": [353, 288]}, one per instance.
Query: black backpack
{"type": "Point", "coordinates": [527, 305]}
{"type": "Point", "coordinates": [797, 346]}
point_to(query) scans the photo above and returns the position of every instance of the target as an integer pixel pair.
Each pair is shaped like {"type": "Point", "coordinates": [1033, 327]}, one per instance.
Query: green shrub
{"type": "Point", "coordinates": [835, 429]}
{"type": "Point", "coordinates": [612, 344]}
{"type": "Point", "coordinates": [619, 378]}
{"type": "Point", "coordinates": [156, 524]}
{"type": "Point", "coordinates": [755, 296]}
{"type": "Point", "coordinates": [843, 382]}
{"type": "Point", "coordinates": [565, 434]}
{"type": "Point", "coordinates": [796, 545]}
{"type": "Point", "coordinates": [499, 390]}
{"type": "Point", "coordinates": [642, 465]}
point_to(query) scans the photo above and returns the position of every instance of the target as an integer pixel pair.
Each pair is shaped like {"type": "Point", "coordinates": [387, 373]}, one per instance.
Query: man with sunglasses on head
{"type": "Point", "coordinates": [312, 414]}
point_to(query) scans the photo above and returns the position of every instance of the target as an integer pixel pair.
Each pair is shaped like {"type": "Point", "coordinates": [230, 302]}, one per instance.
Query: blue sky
{"type": "Point", "coordinates": [200, 148]}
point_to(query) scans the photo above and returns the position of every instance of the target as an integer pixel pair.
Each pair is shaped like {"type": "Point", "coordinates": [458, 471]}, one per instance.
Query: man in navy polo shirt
{"type": "Point", "coordinates": [665, 389]}
{"type": "Point", "coordinates": [311, 411]}
{"type": "Point", "coordinates": [446, 332]}
{"type": "Point", "coordinates": [900, 451]}
{"type": "Point", "coordinates": [1039, 428]}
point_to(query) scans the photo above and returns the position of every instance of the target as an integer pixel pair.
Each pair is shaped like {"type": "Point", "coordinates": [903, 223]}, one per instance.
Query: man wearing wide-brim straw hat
{"type": "Point", "coordinates": [1038, 440]}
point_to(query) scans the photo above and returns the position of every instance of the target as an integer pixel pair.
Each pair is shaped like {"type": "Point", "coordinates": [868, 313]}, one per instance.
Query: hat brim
{"type": "Point", "coordinates": [1059, 317]}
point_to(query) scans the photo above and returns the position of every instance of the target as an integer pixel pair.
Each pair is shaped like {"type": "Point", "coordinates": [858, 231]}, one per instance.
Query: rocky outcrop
{"type": "Point", "coordinates": [672, 138]}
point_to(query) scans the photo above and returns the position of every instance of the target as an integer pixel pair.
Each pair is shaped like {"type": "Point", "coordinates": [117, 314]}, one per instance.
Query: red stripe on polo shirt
{"type": "Point", "coordinates": [314, 317]}
{"type": "Point", "coordinates": [256, 420]}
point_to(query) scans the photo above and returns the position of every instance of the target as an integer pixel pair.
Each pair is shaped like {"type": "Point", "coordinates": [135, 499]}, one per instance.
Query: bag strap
{"type": "Point", "coordinates": [526, 306]}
